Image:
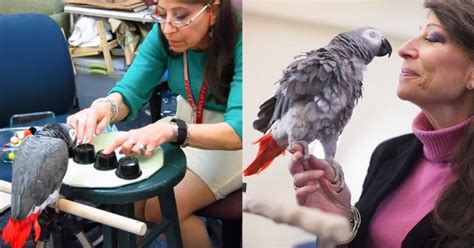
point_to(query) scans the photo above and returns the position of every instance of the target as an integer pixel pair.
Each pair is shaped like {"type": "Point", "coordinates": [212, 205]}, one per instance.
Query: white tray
{"type": "Point", "coordinates": [86, 176]}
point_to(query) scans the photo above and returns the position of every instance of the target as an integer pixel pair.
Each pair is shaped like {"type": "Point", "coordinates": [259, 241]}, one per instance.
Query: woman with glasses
{"type": "Point", "coordinates": [419, 188]}
{"type": "Point", "coordinates": [199, 43]}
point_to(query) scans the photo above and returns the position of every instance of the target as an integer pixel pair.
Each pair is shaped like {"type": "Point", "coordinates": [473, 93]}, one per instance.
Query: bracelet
{"type": "Point", "coordinates": [113, 106]}
{"type": "Point", "coordinates": [182, 132]}
{"type": "Point", "coordinates": [355, 223]}
{"type": "Point", "coordinates": [174, 138]}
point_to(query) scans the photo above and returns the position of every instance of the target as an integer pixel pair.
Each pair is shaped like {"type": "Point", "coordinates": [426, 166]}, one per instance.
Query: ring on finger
{"type": "Point", "coordinates": [142, 147]}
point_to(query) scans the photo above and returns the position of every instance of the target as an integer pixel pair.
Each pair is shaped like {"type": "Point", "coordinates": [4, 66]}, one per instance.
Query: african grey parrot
{"type": "Point", "coordinates": [38, 170]}
{"type": "Point", "coordinates": [316, 96]}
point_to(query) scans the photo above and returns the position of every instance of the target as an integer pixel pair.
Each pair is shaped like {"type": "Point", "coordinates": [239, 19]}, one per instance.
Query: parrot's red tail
{"type": "Point", "coordinates": [16, 232]}
{"type": "Point", "coordinates": [268, 150]}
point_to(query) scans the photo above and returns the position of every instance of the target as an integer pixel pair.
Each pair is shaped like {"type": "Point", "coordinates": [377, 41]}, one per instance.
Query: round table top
{"type": "Point", "coordinates": [168, 176]}
{"type": "Point", "coordinates": [85, 175]}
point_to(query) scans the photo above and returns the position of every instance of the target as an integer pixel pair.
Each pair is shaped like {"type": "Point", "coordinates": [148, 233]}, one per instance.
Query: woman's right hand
{"type": "Point", "coordinates": [90, 121]}
{"type": "Point", "coordinates": [313, 186]}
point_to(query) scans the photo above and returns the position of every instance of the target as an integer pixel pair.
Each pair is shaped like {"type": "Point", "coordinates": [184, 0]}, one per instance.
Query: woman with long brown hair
{"type": "Point", "coordinates": [419, 188]}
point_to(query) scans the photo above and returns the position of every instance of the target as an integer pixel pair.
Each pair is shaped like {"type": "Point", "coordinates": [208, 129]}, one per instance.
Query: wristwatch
{"type": "Point", "coordinates": [182, 132]}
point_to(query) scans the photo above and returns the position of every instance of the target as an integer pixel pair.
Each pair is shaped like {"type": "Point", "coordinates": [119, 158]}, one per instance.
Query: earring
{"type": "Point", "coordinates": [211, 32]}
{"type": "Point", "coordinates": [469, 85]}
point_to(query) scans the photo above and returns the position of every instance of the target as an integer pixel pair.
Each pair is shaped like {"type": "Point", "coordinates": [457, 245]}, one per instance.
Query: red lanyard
{"type": "Point", "coordinates": [199, 108]}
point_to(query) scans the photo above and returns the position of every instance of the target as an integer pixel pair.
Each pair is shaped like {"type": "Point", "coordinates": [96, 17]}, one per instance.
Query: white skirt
{"type": "Point", "coordinates": [220, 170]}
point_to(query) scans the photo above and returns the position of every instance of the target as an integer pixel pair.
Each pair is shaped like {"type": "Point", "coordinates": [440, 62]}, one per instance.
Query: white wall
{"type": "Point", "coordinates": [276, 31]}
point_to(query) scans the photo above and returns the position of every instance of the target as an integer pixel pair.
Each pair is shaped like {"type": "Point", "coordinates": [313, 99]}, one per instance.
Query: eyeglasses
{"type": "Point", "coordinates": [177, 23]}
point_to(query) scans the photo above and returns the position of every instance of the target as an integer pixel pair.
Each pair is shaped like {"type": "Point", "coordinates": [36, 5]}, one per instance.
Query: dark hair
{"type": "Point", "coordinates": [453, 214]}
{"type": "Point", "coordinates": [219, 68]}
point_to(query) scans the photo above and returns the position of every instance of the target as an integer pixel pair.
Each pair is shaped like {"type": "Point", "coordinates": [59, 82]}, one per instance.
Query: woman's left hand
{"type": "Point", "coordinates": [313, 187]}
{"type": "Point", "coordinates": [144, 140]}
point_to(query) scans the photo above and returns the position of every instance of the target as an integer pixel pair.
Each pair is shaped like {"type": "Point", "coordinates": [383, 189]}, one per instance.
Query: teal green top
{"type": "Point", "coordinates": [152, 61]}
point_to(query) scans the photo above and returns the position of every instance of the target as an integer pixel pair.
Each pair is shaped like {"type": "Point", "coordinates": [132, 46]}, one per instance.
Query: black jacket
{"type": "Point", "coordinates": [390, 165]}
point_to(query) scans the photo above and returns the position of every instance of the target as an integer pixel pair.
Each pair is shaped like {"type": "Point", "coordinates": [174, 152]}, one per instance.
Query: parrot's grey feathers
{"type": "Point", "coordinates": [303, 79]}
{"type": "Point", "coordinates": [265, 114]}
{"type": "Point", "coordinates": [62, 131]}
{"type": "Point", "coordinates": [318, 91]}
{"type": "Point", "coordinates": [39, 168]}
{"type": "Point", "coordinates": [37, 175]}
{"type": "Point", "coordinates": [309, 74]}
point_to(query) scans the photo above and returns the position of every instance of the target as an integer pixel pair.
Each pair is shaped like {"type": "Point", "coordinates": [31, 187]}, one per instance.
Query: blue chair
{"type": "Point", "coordinates": [35, 67]}
{"type": "Point", "coordinates": [36, 72]}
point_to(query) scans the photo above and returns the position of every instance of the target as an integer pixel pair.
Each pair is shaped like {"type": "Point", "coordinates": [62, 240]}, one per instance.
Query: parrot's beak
{"type": "Point", "coordinates": [385, 48]}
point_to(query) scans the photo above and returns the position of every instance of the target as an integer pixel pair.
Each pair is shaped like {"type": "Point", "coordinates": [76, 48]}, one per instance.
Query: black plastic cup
{"type": "Point", "coordinates": [128, 168]}
{"type": "Point", "coordinates": [105, 162]}
{"type": "Point", "coordinates": [84, 154]}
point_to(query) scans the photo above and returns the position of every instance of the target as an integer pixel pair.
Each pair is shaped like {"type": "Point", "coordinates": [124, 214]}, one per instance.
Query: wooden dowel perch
{"type": "Point", "coordinates": [325, 226]}
{"type": "Point", "coordinates": [94, 214]}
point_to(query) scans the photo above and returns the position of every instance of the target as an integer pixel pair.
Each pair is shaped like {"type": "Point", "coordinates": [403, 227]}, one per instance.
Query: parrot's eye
{"type": "Point", "coordinates": [72, 134]}
{"type": "Point", "coordinates": [372, 34]}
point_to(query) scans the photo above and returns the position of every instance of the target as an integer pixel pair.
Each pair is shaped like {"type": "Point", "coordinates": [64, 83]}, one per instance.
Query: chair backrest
{"type": "Point", "coordinates": [35, 66]}
{"type": "Point", "coordinates": [156, 100]}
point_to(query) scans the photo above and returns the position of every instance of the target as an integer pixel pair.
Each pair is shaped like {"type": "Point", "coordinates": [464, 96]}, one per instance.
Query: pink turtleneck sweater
{"type": "Point", "coordinates": [416, 197]}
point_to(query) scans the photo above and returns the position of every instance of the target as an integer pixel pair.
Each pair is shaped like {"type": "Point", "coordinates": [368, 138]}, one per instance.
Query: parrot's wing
{"type": "Point", "coordinates": [265, 114]}
{"type": "Point", "coordinates": [303, 79]}
{"type": "Point", "coordinates": [38, 170]}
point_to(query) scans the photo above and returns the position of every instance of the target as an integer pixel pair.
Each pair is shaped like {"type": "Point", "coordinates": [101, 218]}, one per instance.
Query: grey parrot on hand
{"type": "Point", "coordinates": [316, 96]}
{"type": "Point", "coordinates": [38, 170]}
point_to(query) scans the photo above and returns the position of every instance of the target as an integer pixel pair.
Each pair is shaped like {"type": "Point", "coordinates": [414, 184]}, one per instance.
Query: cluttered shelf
{"type": "Point", "coordinates": [107, 28]}
{"type": "Point", "coordinates": [142, 16]}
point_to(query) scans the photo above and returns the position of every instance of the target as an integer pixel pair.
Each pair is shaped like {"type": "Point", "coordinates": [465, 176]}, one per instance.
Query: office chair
{"type": "Point", "coordinates": [35, 67]}
{"type": "Point", "coordinates": [229, 212]}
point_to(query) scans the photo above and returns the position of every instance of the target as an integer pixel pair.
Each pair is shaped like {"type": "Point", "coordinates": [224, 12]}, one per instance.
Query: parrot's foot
{"type": "Point", "coordinates": [303, 144]}
{"type": "Point", "coordinates": [56, 204]}
{"type": "Point", "coordinates": [338, 175]}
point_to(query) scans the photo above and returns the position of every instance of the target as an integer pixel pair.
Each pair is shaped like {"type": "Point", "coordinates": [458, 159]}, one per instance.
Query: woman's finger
{"type": "Point", "coordinates": [307, 177]}
{"type": "Point", "coordinates": [295, 147]}
{"type": "Point", "coordinates": [321, 164]}
{"type": "Point", "coordinates": [151, 146]}
{"type": "Point", "coordinates": [149, 150]}
{"type": "Point", "coordinates": [139, 148]}
{"type": "Point", "coordinates": [81, 127]}
{"type": "Point", "coordinates": [101, 126]}
{"type": "Point", "coordinates": [122, 140]}
{"type": "Point", "coordinates": [90, 126]}
{"type": "Point", "coordinates": [296, 165]}
{"type": "Point", "coordinates": [71, 120]}
{"type": "Point", "coordinates": [303, 193]}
